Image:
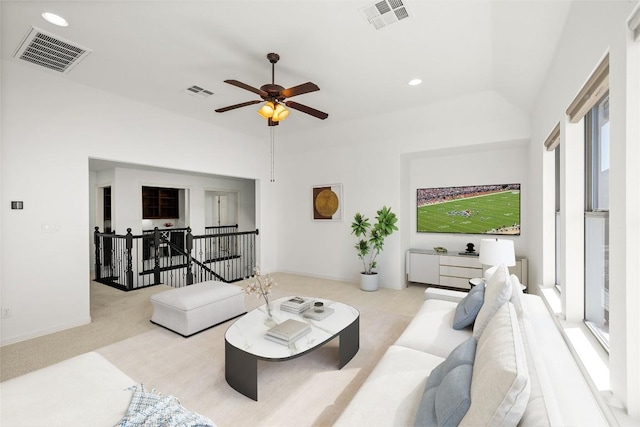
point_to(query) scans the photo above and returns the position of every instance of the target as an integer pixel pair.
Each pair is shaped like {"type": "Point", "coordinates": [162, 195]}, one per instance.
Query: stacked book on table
{"type": "Point", "coordinates": [296, 305]}
{"type": "Point", "coordinates": [288, 331]}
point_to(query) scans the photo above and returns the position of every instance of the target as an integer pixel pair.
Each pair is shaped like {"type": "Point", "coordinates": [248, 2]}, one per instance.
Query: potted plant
{"type": "Point", "coordinates": [370, 242]}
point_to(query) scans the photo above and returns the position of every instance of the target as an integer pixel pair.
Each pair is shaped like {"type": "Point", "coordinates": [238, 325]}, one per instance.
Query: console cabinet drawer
{"type": "Point", "coordinates": [464, 272]}
{"type": "Point", "coordinates": [455, 282]}
{"type": "Point", "coordinates": [460, 261]}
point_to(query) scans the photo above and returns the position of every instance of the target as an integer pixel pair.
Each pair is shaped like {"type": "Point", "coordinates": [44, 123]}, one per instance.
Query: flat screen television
{"type": "Point", "coordinates": [473, 209]}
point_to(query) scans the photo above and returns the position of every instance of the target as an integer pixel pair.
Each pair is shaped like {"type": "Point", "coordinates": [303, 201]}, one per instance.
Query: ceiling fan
{"type": "Point", "coordinates": [274, 96]}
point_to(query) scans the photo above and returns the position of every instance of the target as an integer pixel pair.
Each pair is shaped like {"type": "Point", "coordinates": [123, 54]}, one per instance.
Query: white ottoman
{"type": "Point", "coordinates": [197, 307]}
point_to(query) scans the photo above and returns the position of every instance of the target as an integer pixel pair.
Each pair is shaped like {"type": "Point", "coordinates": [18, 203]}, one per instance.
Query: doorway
{"type": "Point", "coordinates": [221, 208]}
{"type": "Point", "coordinates": [106, 209]}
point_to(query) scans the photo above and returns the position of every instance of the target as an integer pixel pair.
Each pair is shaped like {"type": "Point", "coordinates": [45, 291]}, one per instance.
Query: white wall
{"type": "Point", "coordinates": [592, 30]}
{"type": "Point", "coordinates": [372, 159]}
{"type": "Point", "coordinates": [50, 128]}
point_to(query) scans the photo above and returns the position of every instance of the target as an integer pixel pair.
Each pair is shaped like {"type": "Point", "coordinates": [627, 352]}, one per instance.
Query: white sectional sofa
{"type": "Point", "coordinates": [520, 355]}
{"type": "Point", "coordinates": [86, 390]}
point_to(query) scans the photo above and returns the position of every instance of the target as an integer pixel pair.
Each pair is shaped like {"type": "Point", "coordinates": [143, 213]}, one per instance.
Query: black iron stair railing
{"type": "Point", "coordinates": [174, 257]}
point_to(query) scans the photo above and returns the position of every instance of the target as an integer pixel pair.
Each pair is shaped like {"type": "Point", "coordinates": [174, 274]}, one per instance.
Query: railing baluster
{"type": "Point", "coordinates": [96, 241]}
{"type": "Point", "coordinates": [189, 247]}
{"type": "Point", "coordinates": [156, 259]}
{"type": "Point", "coordinates": [129, 272]}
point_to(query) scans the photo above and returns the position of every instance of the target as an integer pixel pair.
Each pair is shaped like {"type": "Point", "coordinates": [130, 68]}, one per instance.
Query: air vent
{"type": "Point", "coordinates": [50, 51]}
{"type": "Point", "coordinates": [198, 91]}
{"type": "Point", "coordinates": [384, 13]}
{"type": "Point", "coordinates": [383, 7]}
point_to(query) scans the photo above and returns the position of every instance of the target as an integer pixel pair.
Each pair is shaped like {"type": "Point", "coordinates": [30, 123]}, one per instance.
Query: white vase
{"type": "Point", "coordinates": [369, 282]}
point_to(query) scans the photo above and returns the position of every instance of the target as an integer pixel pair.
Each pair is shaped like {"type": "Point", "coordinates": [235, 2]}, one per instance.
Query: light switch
{"type": "Point", "coordinates": [50, 228]}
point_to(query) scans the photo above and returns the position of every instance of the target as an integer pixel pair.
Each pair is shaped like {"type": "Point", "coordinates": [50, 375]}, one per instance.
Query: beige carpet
{"type": "Point", "coordinates": [309, 390]}
{"type": "Point", "coordinates": [115, 315]}
{"type": "Point", "coordinates": [306, 391]}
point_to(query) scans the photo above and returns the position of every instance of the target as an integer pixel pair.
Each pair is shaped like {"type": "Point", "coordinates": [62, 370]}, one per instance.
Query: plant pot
{"type": "Point", "coordinates": [369, 282]}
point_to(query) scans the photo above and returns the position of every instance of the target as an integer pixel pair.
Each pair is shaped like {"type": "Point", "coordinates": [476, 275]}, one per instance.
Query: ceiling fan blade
{"type": "Point", "coordinates": [300, 89]}
{"type": "Point", "coordinates": [311, 111]}
{"type": "Point", "coordinates": [233, 107]}
{"type": "Point", "coordinates": [247, 87]}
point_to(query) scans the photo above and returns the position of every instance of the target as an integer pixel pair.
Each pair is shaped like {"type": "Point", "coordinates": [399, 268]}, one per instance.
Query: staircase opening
{"type": "Point", "coordinates": [214, 235]}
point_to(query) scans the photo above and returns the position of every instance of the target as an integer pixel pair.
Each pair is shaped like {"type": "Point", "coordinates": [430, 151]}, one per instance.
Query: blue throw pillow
{"type": "Point", "coordinates": [468, 308]}
{"type": "Point", "coordinates": [426, 415]}
{"type": "Point", "coordinates": [463, 354]}
{"type": "Point", "coordinates": [448, 403]}
{"type": "Point", "coordinates": [447, 395]}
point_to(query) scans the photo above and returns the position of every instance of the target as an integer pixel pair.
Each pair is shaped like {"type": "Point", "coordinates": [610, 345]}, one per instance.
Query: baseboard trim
{"type": "Point", "coordinates": [317, 276]}
{"type": "Point", "coordinates": [43, 332]}
{"type": "Point", "coordinates": [353, 279]}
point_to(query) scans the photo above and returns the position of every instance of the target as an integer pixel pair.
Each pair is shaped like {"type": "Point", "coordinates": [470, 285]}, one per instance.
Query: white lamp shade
{"type": "Point", "coordinates": [496, 252]}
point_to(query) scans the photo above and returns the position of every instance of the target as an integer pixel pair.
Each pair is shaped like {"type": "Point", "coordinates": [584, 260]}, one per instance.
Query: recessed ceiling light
{"type": "Point", "coordinates": [414, 82]}
{"type": "Point", "coordinates": [55, 19]}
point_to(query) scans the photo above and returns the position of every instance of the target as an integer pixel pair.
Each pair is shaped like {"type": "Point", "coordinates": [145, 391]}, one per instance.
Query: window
{"type": "Point", "coordinates": [596, 233]}
{"type": "Point", "coordinates": [552, 143]}
{"type": "Point", "coordinates": [558, 260]}
{"type": "Point", "coordinates": [160, 203]}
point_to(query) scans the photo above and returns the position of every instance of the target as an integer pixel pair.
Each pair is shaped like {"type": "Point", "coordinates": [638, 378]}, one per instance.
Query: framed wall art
{"type": "Point", "coordinates": [327, 202]}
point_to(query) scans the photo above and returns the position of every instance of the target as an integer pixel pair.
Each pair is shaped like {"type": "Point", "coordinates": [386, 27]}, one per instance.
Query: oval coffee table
{"type": "Point", "coordinates": [245, 342]}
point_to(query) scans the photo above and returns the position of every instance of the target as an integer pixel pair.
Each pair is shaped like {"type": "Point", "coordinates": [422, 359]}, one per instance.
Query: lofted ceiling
{"type": "Point", "coordinates": [152, 51]}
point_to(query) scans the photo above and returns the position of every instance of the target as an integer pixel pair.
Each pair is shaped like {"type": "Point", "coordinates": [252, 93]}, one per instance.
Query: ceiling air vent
{"type": "Point", "coordinates": [199, 91]}
{"type": "Point", "coordinates": [385, 12]}
{"type": "Point", "coordinates": [50, 51]}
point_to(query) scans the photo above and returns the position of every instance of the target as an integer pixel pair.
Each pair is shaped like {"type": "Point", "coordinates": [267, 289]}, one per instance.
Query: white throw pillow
{"type": "Point", "coordinates": [500, 386]}
{"type": "Point", "coordinates": [516, 295]}
{"type": "Point", "coordinates": [496, 293]}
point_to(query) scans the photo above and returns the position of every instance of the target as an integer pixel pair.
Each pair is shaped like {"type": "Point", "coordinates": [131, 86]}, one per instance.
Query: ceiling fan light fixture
{"type": "Point", "coordinates": [280, 113]}
{"type": "Point", "coordinates": [266, 111]}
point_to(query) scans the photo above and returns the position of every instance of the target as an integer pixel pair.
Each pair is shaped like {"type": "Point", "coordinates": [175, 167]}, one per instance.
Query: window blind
{"type": "Point", "coordinates": [553, 140]}
{"type": "Point", "coordinates": [634, 24]}
{"type": "Point", "coordinates": [591, 92]}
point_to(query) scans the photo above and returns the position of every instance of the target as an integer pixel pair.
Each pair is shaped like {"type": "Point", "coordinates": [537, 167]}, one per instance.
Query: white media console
{"type": "Point", "coordinates": [452, 269]}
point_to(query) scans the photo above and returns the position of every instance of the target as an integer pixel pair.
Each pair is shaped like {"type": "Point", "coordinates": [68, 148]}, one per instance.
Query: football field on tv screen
{"type": "Point", "coordinates": [492, 213]}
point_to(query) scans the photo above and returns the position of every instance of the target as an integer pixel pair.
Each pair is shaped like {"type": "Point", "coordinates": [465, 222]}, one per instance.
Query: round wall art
{"type": "Point", "coordinates": [327, 203]}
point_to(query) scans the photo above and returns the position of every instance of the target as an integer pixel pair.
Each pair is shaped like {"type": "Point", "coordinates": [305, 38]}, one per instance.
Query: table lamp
{"type": "Point", "coordinates": [495, 252]}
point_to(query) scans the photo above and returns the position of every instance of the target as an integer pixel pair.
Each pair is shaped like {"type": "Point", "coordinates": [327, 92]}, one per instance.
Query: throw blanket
{"type": "Point", "coordinates": [151, 409]}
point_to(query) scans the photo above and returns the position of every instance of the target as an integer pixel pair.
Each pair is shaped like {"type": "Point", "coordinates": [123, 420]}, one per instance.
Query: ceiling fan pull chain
{"type": "Point", "coordinates": [273, 179]}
